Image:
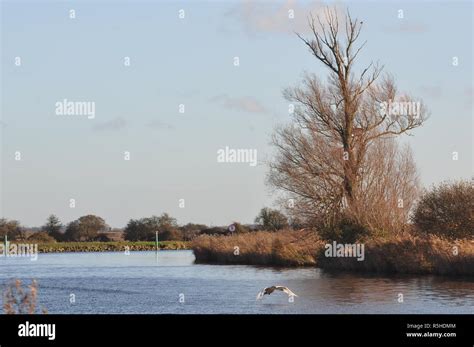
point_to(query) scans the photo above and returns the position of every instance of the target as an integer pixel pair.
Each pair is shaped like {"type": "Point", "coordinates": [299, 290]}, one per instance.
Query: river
{"type": "Point", "coordinates": [170, 282]}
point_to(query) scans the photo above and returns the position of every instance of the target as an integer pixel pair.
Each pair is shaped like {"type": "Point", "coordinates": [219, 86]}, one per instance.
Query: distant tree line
{"type": "Point", "coordinates": [94, 228]}
{"type": "Point", "coordinates": [447, 210]}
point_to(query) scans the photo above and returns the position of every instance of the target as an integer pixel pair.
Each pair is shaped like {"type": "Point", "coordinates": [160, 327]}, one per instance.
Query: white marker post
{"type": "Point", "coordinates": [156, 240]}
{"type": "Point", "coordinates": [5, 241]}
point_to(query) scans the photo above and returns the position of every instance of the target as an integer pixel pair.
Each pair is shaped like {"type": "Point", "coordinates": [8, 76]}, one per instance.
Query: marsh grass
{"type": "Point", "coordinates": [284, 248]}
{"type": "Point", "coordinates": [406, 253]}
{"type": "Point", "coordinates": [20, 300]}
{"type": "Point", "coordinates": [403, 253]}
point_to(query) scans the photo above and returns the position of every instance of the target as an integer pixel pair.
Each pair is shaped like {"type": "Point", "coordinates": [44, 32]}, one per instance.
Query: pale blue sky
{"type": "Point", "coordinates": [190, 61]}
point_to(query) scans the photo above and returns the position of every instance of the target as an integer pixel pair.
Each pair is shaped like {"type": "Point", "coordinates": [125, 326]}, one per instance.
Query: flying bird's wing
{"type": "Point", "coordinates": [260, 294]}
{"type": "Point", "coordinates": [286, 290]}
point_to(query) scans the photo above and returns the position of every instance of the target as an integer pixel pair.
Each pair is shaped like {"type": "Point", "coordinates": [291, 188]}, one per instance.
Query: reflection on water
{"type": "Point", "coordinates": [144, 282]}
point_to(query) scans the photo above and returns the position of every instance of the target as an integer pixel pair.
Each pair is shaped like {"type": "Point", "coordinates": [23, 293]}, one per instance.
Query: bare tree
{"type": "Point", "coordinates": [325, 158]}
{"type": "Point", "coordinates": [389, 186]}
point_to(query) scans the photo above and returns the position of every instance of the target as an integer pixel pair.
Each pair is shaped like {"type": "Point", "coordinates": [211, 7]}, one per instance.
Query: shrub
{"type": "Point", "coordinates": [42, 236]}
{"type": "Point", "coordinates": [145, 229]}
{"type": "Point", "coordinates": [345, 230]}
{"type": "Point", "coordinates": [447, 210]}
{"type": "Point", "coordinates": [139, 230]}
{"type": "Point", "coordinates": [11, 229]}
{"type": "Point", "coordinates": [170, 234]}
{"type": "Point", "coordinates": [102, 238]}
{"type": "Point", "coordinates": [191, 230]}
{"type": "Point", "coordinates": [86, 228]}
{"type": "Point", "coordinates": [271, 219]}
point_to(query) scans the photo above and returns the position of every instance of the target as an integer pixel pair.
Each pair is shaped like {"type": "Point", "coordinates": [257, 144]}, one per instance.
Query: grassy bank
{"type": "Point", "coordinates": [397, 254]}
{"type": "Point", "coordinates": [119, 246]}
{"type": "Point", "coordinates": [411, 255]}
{"type": "Point", "coordinates": [284, 248]}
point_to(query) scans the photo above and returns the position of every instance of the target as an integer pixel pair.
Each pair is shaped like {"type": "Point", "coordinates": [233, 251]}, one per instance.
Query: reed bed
{"type": "Point", "coordinates": [283, 248]}
{"type": "Point", "coordinates": [402, 253]}
{"type": "Point", "coordinates": [406, 253]}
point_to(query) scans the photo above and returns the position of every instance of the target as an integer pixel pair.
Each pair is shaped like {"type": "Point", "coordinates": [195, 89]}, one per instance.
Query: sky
{"type": "Point", "coordinates": [190, 61]}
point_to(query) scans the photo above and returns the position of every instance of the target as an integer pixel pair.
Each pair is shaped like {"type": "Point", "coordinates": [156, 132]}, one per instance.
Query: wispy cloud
{"type": "Point", "coordinates": [406, 27]}
{"type": "Point", "coordinates": [246, 103]}
{"type": "Point", "coordinates": [111, 125]}
{"type": "Point", "coordinates": [157, 124]}
{"type": "Point", "coordinates": [274, 17]}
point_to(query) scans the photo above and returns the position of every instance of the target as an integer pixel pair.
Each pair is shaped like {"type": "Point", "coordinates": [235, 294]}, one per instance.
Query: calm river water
{"type": "Point", "coordinates": [170, 282]}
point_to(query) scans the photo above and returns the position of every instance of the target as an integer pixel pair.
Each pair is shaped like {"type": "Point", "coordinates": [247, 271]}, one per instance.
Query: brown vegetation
{"type": "Point", "coordinates": [41, 236]}
{"type": "Point", "coordinates": [18, 300]}
{"type": "Point", "coordinates": [284, 248]}
{"type": "Point", "coordinates": [403, 253]}
{"type": "Point", "coordinates": [339, 156]}
{"type": "Point", "coordinates": [406, 253]}
{"type": "Point", "coordinates": [447, 210]}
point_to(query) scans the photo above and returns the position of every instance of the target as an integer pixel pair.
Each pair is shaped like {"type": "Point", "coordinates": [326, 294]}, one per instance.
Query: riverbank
{"type": "Point", "coordinates": [119, 246]}
{"type": "Point", "coordinates": [404, 254]}
{"type": "Point", "coordinates": [283, 248]}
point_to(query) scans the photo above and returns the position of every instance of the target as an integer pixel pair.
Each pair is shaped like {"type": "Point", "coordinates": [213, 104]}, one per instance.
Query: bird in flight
{"type": "Point", "coordinates": [269, 290]}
